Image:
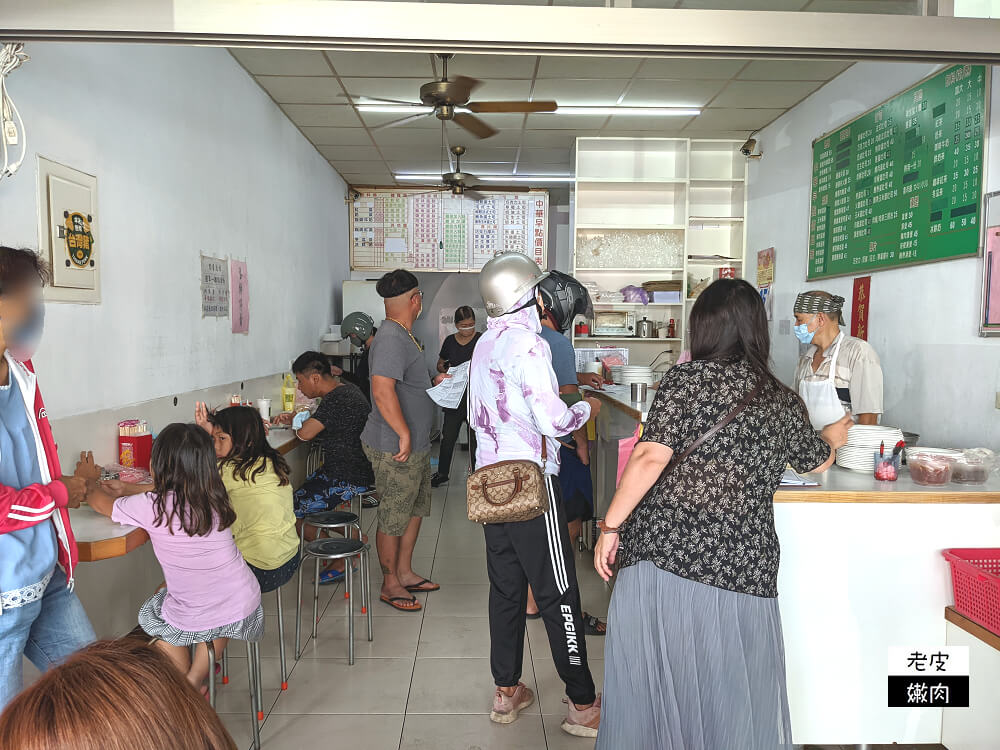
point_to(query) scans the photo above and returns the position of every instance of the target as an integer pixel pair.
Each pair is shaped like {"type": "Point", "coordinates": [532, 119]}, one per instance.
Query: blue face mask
{"type": "Point", "coordinates": [803, 334]}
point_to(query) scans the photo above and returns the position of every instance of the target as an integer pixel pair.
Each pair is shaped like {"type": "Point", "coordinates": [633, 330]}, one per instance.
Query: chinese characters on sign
{"type": "Point", "coordinates": [862, 297]}
{"type": "Point", "coordinates": [440, 231]}
{"type": "Point", "coordinates": [902, 183]}
{"type": "Point", "coordinates": [929, 677]}
{"type": "Point", "coordinates": [214, 287]}
{"type": "Point", "coordinates": [241, 296]}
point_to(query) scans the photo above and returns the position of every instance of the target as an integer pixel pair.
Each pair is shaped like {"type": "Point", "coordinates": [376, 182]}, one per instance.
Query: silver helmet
{"type": "Point", "coordinates": [358, 327]}
{"type": "Point", "coordinates": [505, 279]}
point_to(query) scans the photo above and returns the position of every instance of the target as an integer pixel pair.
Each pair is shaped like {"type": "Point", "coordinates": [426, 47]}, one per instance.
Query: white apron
{"type": "Point", "coordinates": [821, 396]}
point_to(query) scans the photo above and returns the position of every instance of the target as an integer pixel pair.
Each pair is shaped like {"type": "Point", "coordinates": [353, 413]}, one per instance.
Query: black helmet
{"type": "Point", "coordinates": [564, 298]}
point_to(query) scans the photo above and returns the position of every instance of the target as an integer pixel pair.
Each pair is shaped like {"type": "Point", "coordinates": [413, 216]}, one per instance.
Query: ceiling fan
{"type": "Point", "coordinates": [450, 101]}
{"type": "Point", "coordinates": [460, 183]}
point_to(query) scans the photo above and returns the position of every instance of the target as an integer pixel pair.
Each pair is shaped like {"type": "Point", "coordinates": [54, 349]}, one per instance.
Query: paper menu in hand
{"type": "Point", "coordinates": [448, 393]}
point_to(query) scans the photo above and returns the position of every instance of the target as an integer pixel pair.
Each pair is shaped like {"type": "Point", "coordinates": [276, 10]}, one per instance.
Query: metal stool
{"type": "Point", "coordinates": [253, 670]}
{"type": "Point", "coordinates": [337, 549]}
{"type": "Point", "coordinates": [281, 649]}
{"type": "Point", "coordinates": [327, 521]}
{"type": "Point", "coordinates": [371, 494]}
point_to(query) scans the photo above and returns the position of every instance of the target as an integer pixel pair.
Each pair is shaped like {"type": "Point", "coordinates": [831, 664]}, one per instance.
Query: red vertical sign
{"type": "Point", "coordinates": [862, 298]}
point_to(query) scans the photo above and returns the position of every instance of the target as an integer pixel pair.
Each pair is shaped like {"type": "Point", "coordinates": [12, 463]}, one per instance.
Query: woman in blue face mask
{"type": "Point", "coordinates": [40, 616]}
{"type": "Point", "coordinates": [837, 373]}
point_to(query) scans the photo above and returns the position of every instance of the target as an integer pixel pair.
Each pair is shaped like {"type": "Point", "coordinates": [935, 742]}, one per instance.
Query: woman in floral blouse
{"type": "Point", "coordinates": [694, 657]}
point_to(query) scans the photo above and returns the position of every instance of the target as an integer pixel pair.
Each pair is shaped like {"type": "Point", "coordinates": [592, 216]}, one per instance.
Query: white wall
{"type": "Point", "coordinates": [940, 376]}
{"type": "Point", "coordinates": [191, 156]}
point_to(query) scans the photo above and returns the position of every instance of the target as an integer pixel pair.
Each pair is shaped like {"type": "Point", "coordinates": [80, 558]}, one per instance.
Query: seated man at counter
{"type": "Point", "coordinates": [838, 372]}
{"type": "Point", "coordinates": [336, 425]}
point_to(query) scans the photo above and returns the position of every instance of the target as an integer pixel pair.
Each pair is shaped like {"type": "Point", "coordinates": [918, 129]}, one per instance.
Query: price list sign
{"type": "Point", "coordinates": [902, 184]}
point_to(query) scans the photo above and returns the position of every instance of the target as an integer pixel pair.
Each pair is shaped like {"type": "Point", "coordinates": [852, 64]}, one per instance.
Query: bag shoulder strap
{"type": "Point", "coordinates": [751, 395]}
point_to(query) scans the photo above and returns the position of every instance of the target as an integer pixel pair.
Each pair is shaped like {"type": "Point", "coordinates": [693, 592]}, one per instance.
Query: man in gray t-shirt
{"type": "Point", "coordinates": [397, 438]}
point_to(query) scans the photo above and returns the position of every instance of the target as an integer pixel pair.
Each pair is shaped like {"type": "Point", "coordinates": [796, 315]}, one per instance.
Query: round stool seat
{"type": "Point", "coordinates": [331, 549]}
{"type": "Point", "coordinates": [331, 518]}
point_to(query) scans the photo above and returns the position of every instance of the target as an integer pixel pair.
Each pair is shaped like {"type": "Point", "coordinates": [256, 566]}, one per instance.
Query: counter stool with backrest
{"type": "Point", "coordinates": [337, 549]}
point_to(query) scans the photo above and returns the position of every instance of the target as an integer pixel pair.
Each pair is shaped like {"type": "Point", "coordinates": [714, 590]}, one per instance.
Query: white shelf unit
{"type": "Point", "coordinates": [694, 190]}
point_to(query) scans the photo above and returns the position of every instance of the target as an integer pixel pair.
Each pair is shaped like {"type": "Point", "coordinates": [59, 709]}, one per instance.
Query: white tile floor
{"type": "Point", "coordinates": [425, 681]}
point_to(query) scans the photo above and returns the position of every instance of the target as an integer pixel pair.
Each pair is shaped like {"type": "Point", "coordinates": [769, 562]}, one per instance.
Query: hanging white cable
{"type": "Point", "coordinates": [12, 129]}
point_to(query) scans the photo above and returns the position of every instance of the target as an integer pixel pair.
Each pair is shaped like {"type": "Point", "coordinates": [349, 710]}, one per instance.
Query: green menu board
{"type": "Point", "coordinates": [902, 184]}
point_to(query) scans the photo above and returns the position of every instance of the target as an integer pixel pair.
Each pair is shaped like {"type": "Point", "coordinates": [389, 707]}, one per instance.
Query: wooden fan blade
{"type": "Point", "coordinates": [501, 188]}
{"type": "Point", "coordinates": [362, 99]}
{"type": "Point", "coordinates": [474, 125]}
{"type": "Point", "coordinates": [546, 106]}
{"type": "Point", "coordinates": [403, 121]}
{"type": "Point", "coordinates": [461, 88]}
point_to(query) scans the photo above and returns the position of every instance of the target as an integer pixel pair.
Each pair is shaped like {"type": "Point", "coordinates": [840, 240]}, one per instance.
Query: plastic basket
{"type": "Point", "coordinates": [975, 578]}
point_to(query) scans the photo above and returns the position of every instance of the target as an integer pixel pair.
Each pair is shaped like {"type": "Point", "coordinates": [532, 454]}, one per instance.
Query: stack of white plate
{"type": "Point", "coordinates": [863, 442]}
{"type": "Point", "coordinates": [628, 374]}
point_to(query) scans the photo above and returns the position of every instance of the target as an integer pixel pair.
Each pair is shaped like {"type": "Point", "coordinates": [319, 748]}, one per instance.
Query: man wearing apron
{"type": "Point", "coordinates": [837, 373]}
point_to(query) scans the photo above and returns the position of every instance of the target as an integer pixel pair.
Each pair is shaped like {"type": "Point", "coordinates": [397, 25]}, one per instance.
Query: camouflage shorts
{"type": "Point", "coordinates": [404, 489]}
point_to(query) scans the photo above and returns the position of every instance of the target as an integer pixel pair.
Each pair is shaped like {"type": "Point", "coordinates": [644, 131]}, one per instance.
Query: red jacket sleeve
{"type": "Point", "coordinates": [21, 509]}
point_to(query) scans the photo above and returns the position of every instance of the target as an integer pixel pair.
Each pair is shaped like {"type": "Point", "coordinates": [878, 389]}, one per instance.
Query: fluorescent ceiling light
{"type": "Point", "coordinates": [402, 109]}
{"type": "Point", "coordinates": [406, 109]}
{"type": "Point", "coordinates": [501, 178]}
{"type": "Point", "coordinates": [627, 111]}
{"type": "Point", "coordinates": [525, 178]}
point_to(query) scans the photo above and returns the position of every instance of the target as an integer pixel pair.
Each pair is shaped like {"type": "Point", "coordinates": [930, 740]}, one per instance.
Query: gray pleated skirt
{"type": "Point", "coordinates": [691, 667]}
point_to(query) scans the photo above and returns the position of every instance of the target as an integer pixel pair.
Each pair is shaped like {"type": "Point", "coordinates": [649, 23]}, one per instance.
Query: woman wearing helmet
{"type": "Point", "coordinates": [514, 406]}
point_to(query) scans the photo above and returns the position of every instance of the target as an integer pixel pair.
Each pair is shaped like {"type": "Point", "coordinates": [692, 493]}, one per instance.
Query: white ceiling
{"type": "Point", "coordinates": [313, 88]}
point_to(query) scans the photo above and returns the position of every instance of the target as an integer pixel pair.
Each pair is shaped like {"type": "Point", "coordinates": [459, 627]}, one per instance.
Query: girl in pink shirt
{"type": "Point", "coordinates": [210, 595]}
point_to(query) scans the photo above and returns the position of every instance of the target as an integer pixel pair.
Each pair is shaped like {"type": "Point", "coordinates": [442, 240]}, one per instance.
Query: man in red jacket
{"type": "Point", "coordinates": [40, 616]}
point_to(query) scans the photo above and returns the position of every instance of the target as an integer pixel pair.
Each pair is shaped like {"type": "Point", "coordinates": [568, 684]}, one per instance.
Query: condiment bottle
{"type": "Point", "coordinates": [671, 329]}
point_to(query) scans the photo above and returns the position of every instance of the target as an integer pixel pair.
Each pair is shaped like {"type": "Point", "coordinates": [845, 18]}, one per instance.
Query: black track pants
{"type": "Point", "coordinates": [537, 552]}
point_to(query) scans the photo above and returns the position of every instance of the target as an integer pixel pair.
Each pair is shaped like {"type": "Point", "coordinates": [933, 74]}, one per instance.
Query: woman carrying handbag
{"type": "Point", "coordinates": [516, 412]}
{"type": "Point", "coordinates": [694, 658]}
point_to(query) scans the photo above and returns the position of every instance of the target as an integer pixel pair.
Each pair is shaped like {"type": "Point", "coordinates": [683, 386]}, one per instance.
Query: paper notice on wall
{"type": "Point", "coordinates": [240, 296]}
{"type": "Point", "coordinates": [214, 287]}
{"type": "Point", "coordinates": [765, 267]}
{"type": "Point", "coordinates": [767, 297]}
{"type": "Point", "coordinates": [862, 304]}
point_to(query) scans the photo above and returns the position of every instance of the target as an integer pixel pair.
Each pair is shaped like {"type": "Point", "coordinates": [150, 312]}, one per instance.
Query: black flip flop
{"type": "Point", "coordinates": [590, 624]}
{"type": "Point", "coordinates": [391, 601]}
{"type": "Point", "coordinates": [416, 588]}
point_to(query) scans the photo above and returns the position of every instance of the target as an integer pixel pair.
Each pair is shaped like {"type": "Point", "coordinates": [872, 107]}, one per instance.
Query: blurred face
{"type": "Point", "coordinates": [18, 310]}
{"type": "Point", "coordinates": [417, 299]}
{"type": "Point", "coordinates": [222, 441]}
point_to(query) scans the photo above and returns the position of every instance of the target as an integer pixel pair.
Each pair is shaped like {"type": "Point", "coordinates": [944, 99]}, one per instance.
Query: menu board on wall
{"type": "Point", "coordinates": [423, 231]}
{"type": "Point", "coordinates": [903, 183]}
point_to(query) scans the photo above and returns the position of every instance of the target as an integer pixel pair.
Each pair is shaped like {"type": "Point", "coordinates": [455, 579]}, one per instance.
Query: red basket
{"type": "Point", "coordinates": [975, 577]}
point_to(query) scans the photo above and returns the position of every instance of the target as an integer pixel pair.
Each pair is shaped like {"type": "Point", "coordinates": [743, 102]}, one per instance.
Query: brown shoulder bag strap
{"type": "Point", "coordinates": [751, 395]}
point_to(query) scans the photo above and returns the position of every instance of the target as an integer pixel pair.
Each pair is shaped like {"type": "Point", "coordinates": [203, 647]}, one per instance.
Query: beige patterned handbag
{"type": "Point", "coordinates": [507, 491]}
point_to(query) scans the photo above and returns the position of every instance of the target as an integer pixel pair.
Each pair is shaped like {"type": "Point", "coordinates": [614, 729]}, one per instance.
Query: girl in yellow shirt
{"type": "Point", "coordinates": [256, 477]}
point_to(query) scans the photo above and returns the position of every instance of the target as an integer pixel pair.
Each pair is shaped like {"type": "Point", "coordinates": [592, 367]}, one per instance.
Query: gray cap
{"type": "Point", "coordinates": [505, 279]}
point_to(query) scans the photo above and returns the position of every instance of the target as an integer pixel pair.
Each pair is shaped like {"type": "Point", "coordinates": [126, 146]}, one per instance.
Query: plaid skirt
{"type": "Point", "coordinates": [152, 622]}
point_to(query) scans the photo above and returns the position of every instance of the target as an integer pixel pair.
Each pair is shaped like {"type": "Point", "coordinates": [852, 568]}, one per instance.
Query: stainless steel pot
{"type": "Point", "coordinates": [645, 329]}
